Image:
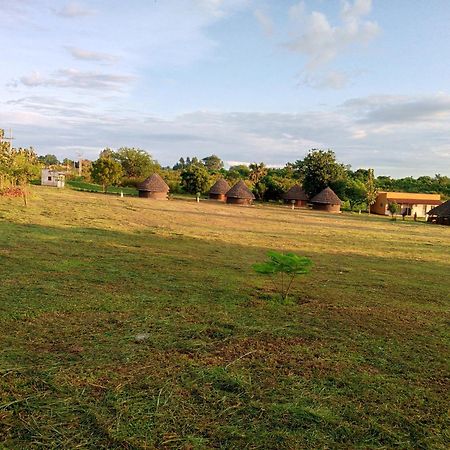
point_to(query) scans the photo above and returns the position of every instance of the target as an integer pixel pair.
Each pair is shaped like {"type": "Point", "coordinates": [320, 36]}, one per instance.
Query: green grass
{"type": "Point", "coordinates": [135, 324]}
{"type": "Point", "coordinates": [91, 187]}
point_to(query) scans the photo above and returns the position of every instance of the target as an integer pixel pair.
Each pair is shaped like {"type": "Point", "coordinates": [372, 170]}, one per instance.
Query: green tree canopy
{"type": "Point", "coordinates": [49, 160]}
{"type": "Point", "coordinates": [135, 162]}
{"type": "Point", "coordinates": [106, 171]}
{"type": "Point", "coordinates": [320, 169]}
{"type": "Point", "coordinates": [213, 163]}
{"type": "Point", "coordinates": [195, 178]}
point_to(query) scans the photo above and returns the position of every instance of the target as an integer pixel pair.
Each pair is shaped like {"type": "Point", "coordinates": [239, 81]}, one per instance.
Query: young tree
{"type": "Point", "coordinates": [106, 171]}
{"type": "Point", "coordinates": [320, 169]}
{"type": "Point", "coordinates": [371, 189]}
{"type": "Point", "coordinates": [213, 163]}
{"type": "Point", "coordinates": [393, 208]}
{"type": "Point", "coordinates": [195, 178]}
{"type": "Point", "coordinates": [355, 191]}
{"type": "Point", "coordinates": [136, 163]}
{"type": "Point", "coordinates": [285, 266]}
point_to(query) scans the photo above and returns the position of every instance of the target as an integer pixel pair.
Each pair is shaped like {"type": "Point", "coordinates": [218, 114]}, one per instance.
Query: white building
{"type": "Point", "coordinates": [52, 178]}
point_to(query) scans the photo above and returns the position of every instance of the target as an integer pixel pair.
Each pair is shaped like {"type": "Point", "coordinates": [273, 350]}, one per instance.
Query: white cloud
{"type": "Point", "coordinates": [393, 145]}
{"type": "Point", "coordinates": [88, 55]}
{"type": "Point", "coordinates": [320, 41]}
{"type": "Point", "coordinates": [74, 78]}
{"type": "Point", "coordinates": [74, 9]}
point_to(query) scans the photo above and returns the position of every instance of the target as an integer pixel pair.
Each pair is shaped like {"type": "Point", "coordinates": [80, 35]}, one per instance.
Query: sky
{"type": "Point", "coordinates": [248, 80]}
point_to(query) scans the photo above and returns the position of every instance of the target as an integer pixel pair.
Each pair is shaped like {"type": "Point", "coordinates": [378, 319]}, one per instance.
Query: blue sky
{"type": "Point", "coordinates": [249, 80]}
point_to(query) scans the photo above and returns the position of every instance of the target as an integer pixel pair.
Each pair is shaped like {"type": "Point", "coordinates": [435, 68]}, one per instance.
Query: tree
{"type": "Point", "coordinates": [195, 178]}
{"type": "Point", "coordinates": [213, 163]}
{"type": "Point", "coordinates": [135, 162]}
{"type": "Point", "coordinates": [286, 267]}
{"type": "Point", "coordinates": [355, 192]}
{"type": "Point", "coordinates": [371, 189]}
{"type": "Point", "coordinates": [320, 169]}
{"type": "Point", "coordinates": [106, 171]}
{"type": "Point", "coordinates": [257, 171]}
{"type": "Point", "coordinates": [49, 160]}
{"type": "Point", "coordinates": [393, 208]}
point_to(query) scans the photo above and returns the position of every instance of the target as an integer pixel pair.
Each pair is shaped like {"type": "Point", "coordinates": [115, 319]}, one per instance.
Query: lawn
{"type": "Point", "coordinates": [135, 324]}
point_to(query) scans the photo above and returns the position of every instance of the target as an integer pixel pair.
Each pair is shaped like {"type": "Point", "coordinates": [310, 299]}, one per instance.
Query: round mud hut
{"type": "Point", "coordinates": [153, 187]}
{"type": "Point", "coordinates": [296, 195]}
{"type": "Point", "coordinates": [327, 200]}
{"type": "Point", "coordinates": [219, 190]}
{"type": "Point", "coordinates": [440, 214]}
{"type": "Point", "coordinates": [240, 194]}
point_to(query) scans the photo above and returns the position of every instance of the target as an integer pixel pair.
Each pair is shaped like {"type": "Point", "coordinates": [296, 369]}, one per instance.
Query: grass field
{"type": "Point", "coordinates": [132, 324]}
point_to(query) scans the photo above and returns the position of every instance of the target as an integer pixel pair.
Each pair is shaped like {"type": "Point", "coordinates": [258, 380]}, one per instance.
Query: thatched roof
{"type": "Point", "coordinates": [221, 186]}
{"type": "Point", "coordinates": [441, 210]}
{"type": "Point", "coordinates": [327, 197]}
{"type": "Point", "coordinates": [154, 183]}
{"type": "Point", "coordinates": [296, 192]}
{"type": "Point", "coordinates": [240, 190]}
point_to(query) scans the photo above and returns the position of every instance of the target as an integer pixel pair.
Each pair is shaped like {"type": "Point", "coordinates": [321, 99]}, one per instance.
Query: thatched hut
{"type": "Point", "coordinates": [296, 195]}
{"type": "Point", "coordinates": [153, 187]}
{"type": "Point", "coordinates": [219, 190]}
{"type": "Point", "coordinates": [440, 214]}
{"type": "Point", "coordinates": [327, 200]}
{"type": "Point", "coordinates": [240, 194]}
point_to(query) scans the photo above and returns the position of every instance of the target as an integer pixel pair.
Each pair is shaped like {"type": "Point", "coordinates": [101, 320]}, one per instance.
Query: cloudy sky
{"type": "Point", "coordinates": [249, 80]}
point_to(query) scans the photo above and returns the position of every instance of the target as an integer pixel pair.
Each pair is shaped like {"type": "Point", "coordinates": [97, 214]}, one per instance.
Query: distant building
{"type": "Point", "coordinates": [154, 187]}
{"type": "Point", "coordinates": [219, 190]}
{"type": "Point", "coordinates": [51, 177]}
{"type": "Point", "coordinates": [296, 195]}
{"type": "Point", "coordinates": [410, 203]}
{"type": "Point", "coordinates": [440, 214]}
{"type": "Point", "coordinates": [327, 200]}
{"type": "Point", "coordinates": [240, 194]}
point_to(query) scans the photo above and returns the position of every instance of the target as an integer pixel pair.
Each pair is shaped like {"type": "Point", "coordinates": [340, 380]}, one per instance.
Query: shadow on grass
{"type": "Point", "coordinates": [216, 366]}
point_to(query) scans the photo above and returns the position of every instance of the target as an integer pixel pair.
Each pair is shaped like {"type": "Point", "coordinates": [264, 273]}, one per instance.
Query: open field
{"type": "Point", "coordinates": [358, 359]}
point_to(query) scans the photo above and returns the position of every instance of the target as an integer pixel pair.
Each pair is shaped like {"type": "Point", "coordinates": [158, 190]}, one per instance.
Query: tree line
{"type": "Point", "coordinates": [129, 166]}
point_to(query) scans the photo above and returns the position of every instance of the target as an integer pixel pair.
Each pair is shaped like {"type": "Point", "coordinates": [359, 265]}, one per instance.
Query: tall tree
{"type": "Point", "coordinates": [136, 163]}
{"type": "Point", "coordinates": [213, 163]}
{"type": "Point", "coordinates": [49, 160]}
{"type": "Point", "coordinates": [320, 169]}
{"type": "Point", "coordinates": [257, 171]}
{"type": "Point", "coordinates": [106, 171]}
{"type": "Point", "coordinates": [195, 178]}
{"type": "Point", "coordinates": [371, 189]}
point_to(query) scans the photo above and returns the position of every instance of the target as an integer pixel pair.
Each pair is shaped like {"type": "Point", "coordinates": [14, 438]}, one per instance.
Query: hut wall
{"type": "Point", "coordinates": [298, 203]}
{"type": "Point", "coordinates": [153, 195]}
{"type": "Point", "coordinates": [219, 197]}
{"type": "Point", "coordinates": [239, 201]}
{"type": "Point", "coordinates": [327, 208]}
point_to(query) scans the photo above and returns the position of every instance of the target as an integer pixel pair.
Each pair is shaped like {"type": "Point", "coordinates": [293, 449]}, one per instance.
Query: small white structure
{"type": "Point", "coordinates": [52, 178]}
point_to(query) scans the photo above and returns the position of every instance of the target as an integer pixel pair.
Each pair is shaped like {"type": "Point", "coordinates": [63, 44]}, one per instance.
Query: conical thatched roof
{"type": "Point", "coordinates": [220, 187]}
{"type": "Point", "coordinates": [441, 210]}
{"type": "Point", "coordinates": [240, 190]}
{"type": "Point", "coordinates": [296, 192]}
{"type": "Point", "coordinates": [327, 197]}
{"type": "Point", "coordinates": [154, 183]}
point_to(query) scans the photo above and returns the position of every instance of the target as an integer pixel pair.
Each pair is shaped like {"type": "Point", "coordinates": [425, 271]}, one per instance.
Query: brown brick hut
{"type": "Point", "coordinates": [240, 194]}
{"type": "Point", "coordinates": [440, 214]}
{"type": "Point", "coordinates": [327, 200]}
{"type": "Point", "coordinates": [153, 187]}
{"type": "Point", "coordinates": [219, 190]}
{"type": "Point", "coordinates": [296, 195]}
